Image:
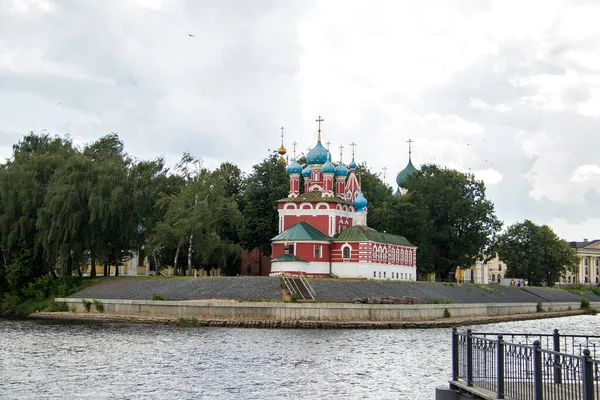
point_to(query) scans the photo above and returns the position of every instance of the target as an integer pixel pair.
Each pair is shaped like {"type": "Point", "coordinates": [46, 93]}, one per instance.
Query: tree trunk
{"type": "Point", "coordinates": [177, 256]}
{"type": "Point", "coordinates": [259, 261]}
{"type": "Point", "coordinates": [116, 269]}
{"type": "Point", "coordinates": [189, 264]}
{"type": "Point", "coordinates": [93, 265]}
{"type": "Point", "coordinates": [106, 267]}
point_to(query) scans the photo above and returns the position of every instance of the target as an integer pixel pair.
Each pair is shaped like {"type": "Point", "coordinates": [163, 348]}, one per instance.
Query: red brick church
{"type": "Point", "coordinates": [323, 229]}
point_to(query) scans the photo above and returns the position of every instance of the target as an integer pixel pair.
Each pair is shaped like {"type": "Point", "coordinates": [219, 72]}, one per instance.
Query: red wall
{"type": "Point", "coordinates": [304, 250]}
{"type": "Point", "coordinates": [252, 258]}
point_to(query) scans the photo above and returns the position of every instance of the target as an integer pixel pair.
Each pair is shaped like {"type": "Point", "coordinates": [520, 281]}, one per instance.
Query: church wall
{"type": "Point", "coordinates": [312, 268]}
{"type": "Point", "coordinates": [367, 270]}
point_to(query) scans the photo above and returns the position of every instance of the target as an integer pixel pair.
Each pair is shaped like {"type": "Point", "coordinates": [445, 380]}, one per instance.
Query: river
{"type": "Point", "coordinates": [58, 360]}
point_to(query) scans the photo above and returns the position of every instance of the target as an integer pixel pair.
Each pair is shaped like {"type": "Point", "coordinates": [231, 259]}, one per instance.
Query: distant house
{"type": "Point", "coordinates": [589, 263]}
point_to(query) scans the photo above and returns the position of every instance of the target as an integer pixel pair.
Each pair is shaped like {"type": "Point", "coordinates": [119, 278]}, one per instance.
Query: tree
{"type": "Point", "coordinates": [459, 224]}
{"type": "Point", "coordinates": [535, 253]}
{"type": "Point", "coordinates": [378, 194]}
{"type": "Point", "coordinates": [268, 183]}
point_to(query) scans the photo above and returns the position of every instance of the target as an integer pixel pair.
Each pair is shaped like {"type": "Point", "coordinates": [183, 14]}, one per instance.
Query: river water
{"type": "Point", "coordinates": [57, 360]}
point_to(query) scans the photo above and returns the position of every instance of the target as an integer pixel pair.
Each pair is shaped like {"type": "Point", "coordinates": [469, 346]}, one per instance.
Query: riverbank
{"type": "Point", "coordinates": [109, 318]}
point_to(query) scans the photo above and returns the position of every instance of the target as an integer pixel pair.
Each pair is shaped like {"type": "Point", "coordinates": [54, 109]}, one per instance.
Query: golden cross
{"type": "Point", "coordinates": [319, 120]}
{"type": "Point", "coordinates": [410, 142]}
{"type": "Point", "coordinates": [341, 148]}
{"type": "Point", "coordinates": [384, 169]}
{"type": "Point", "coordinates": [328, 143]}
{"type": "Point", "coordinates": [353, 145]}
{"type": "Point", "coordinates": [294, 144]}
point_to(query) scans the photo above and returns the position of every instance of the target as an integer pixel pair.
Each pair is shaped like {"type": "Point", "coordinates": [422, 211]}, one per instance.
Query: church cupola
{"type": "Point", "coordinates": [294, 170]}
{"type": "Point", "coordinates": [341, 172]}
{"type": "Point", "coordinates": [328, 170]}
{"type": "Point", "coordinates": [352, 185]}
{"type": "Point", "coordinates": [360, 203]}
{"type": "Point", "coordinates": [282, 150]}
{"type": "Point", "coordinates": [318, 154]}
{"type": "Point", "coordinates": [306, 173]}
{"type": "Point", "coordinates": [403, 175]}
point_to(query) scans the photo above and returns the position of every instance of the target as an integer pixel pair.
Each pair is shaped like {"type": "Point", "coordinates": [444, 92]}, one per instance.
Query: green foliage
{"type": "Point", "coordinates": [585, 303]}
{"type": "Point", "coordinates": [57, 307]}
{"type": "Point", "coordinates": [535, 253]}
{"type": "Point", "coordinates": [447, 313]}
{"type": "Point", "coordinates": [73, 308]}
{"type": "Point", "coordinates": [293, 299]}
{"type": "Point", "coordinates": [188, 322]}
{"type": "Point", "coordinates": [447, 215]}
{"type": "Point", "coordinates": [579, 289]}
{"type": "Point", "coordinates": [268, 183]}
{"type": "Point", "coordinates": [98, 305]}
{"type": "Point", "coordinates": [539, 307]}
{"type": "Point", "coordinates": [86, 305]}
{"type": "Point", "coordinates": [158, 296]}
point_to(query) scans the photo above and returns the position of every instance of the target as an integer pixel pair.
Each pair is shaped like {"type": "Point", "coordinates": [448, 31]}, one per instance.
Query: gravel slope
{"type": "Point", "coordinates": [328, 290]}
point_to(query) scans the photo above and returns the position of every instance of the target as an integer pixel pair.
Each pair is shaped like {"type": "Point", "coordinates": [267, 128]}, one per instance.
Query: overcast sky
{"type": "Point", "coordinates": [509, 90]}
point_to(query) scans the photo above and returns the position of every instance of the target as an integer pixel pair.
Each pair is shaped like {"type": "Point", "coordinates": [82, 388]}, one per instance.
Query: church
{"type": "Point", "coordinates": [323, 227]}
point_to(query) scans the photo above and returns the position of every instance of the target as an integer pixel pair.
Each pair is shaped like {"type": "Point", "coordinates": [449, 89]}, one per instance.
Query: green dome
{"type": "Point", "coordinates": [405, 173]}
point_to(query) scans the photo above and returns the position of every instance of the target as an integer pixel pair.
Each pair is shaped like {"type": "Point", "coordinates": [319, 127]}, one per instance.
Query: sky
{"type": "Point", "coordinates": [507, 90]}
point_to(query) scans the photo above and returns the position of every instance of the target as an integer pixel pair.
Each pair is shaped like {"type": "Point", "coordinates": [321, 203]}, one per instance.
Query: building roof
{"type": "Point", "coordinates": [405, 173]}
{"type": "Point", "coordinates": [302, 231]}
{"type": "Point", "coordinates": [365, 234]}
{"type": "Point", "coordinates": [288, 258]}
{"type": "Point", "coordinates": [313, 196]}
{"type": "Point", "coordinates": [580, 245]}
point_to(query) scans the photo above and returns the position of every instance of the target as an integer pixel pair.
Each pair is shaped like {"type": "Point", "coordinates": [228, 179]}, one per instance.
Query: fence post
{"type": "Point", "coordinates": [454, 354]}
{"type": "Point", "coordinates": [469, 358]}
{"type": "Point", "coordinates": [500, 368]}
{"type": "Point", "coordinates": [588, 376]}
{"type": "Point", "coordinates": [537, 371]}
{"type": "Point", "coordinates": [557, 369]}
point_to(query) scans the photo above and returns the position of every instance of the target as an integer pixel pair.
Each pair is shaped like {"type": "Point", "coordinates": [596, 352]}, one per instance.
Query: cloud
{"type": "Point", "coordinates": [585, 173]}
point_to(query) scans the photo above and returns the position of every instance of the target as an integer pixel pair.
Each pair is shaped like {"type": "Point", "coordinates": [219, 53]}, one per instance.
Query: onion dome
{"type": "Point", "coordinates": [341, 170]}
{"type": "Point", "coordinates": [352, 164]}
{"type": "Point", "coordinates": [307, 171]}
{"type": "Point", "coordinates": [294, 167]}
{"type": "Point", "coordinates": [328, 167]}
{"type": "Point", "coordinates": [398, 193]}
{"type": "Point", "coordinates": [405, 173]}
{"type": "Point", "coordinates": [317, 155]}
{"type": "Point", "coordinates": [360, 202]}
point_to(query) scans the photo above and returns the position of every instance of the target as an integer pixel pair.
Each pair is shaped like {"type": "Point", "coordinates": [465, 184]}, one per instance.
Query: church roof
{"type": "Point", "coordinates": [313, 196]}
{"type": "Point", "coordinates": [302, 231]}
{"type": "Point", "coordinates": [405, 173]}
{"type": "Point", "coordinates": [580, 245]}
{"type": "Point", "coordinates": [288, 258]}
{"type": "Point", "coordinates": [361, 233]}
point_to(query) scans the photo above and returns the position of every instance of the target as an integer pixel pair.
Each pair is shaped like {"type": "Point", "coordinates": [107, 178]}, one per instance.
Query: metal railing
{"type": "Point", "coordinates": [295, 284]}
{"type": "Point", "coordinates": [528, 366]}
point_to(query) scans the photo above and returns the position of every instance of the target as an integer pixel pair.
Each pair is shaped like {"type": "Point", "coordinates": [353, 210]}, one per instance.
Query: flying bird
{"type": "Point", "coordinates": [58, 104]}
{"type": "Point", "coordinates": [191, 35]}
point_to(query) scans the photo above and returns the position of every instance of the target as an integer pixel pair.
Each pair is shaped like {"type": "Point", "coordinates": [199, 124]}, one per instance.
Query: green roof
{"type": "Point", "coordinates": [313, 196]}
{"type": "Point", "coordinates": [302, 231]}
{"type": "Point", "coordinates": [287, 258]}
{"type": "Point", "coordinates": [405, 173]}
{"type": "Point", "coordinates": [366, 234]}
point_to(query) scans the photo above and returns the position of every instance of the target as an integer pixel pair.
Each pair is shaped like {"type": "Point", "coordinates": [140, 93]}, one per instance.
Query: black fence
{"type": "Point", "coordinates": [526, 366]}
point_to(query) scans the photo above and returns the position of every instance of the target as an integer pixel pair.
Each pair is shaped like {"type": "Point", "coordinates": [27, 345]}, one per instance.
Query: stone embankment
{"type": "Point", "coordinates": [233, 323]}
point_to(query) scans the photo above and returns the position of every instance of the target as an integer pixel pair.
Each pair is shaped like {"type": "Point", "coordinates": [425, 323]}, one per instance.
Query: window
{"type": "Point", "coordinates": [499, 267]}
{"type": "Point", "coordinates": [393, 258]}
{"type": "Point", "coordinates": [596, 262]}
{"type": "Point", "coordinates": [317, 251]}
{"type": "Point", "coordinates": [384, 274]}
{"type": "Point", "coordinates": [346, 252]}
{"type": "Point", "coordinates": [384, 253]}
{"type": "Point", "coordinates": [398, 255]}
{"type": "Point", "coordinates": [401, 256]}
{"type": "Point", "coordinates": [374, 274]}
{"type": "Point", "coordinates": [374, 253]}
{"type": "Point", "coordinates": [586, 262]}
{"type": "Point", "coordinates": [380, 274]}
{"type": "Point", "coordinates": [402, 275]}
{"type": "Point", "coordinates": [397, 275]}
{"type": "Point", "coordinates": [290, 249]}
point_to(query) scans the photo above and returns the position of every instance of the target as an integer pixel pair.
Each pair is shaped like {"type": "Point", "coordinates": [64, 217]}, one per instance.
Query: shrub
{"type": "Point", "coordinates": [86, 305]}
{"type": "Point", "coordinates": [585, 303]}
{"type": "Point", "coordinates": [447, 313]}
{"type": "Point", "coordinates": [73, 308]}
{"type": "Point", "coordinates": [158, 296]}
{"type": "Point", "coordinates": [188, 322]}
{"type": "Point", "coordinates": [539, 307]}
{"type": "Point", "coordinates": [293, 299]}
{"type": "Point", "coordinates": [57, 307]}
{"type": "Point", "coordinates": [98, 305]}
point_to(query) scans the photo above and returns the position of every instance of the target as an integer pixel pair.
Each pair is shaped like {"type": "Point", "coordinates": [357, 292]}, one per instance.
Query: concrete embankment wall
{"type": "Point", "coordinates": [314, 311]}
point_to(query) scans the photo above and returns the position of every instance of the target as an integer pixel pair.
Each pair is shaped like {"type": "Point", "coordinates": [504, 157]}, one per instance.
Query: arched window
{"type": "Point", "coordinates": [401, 256]}
{"type": "Point", "coordinates": [346, 252]}
{"type": "Point", "coordinates": [393, 255]}
{"type": "Point", "coordinates": [374, 252]}
{"type": "Point", "coordinates": [406, 256]}
{"type": "Point", "coordinates": [384, 254]}
{"type": "Point", "coordinates": [398, 255]}
{"type": "Point", "coordinates": [493, 277]}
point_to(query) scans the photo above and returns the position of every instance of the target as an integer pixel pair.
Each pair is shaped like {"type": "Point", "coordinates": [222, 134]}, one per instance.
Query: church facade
{"type": "Point", "coordinates": [323, 228]}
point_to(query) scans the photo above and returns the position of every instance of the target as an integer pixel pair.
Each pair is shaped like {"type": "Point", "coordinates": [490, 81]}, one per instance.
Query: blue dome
{"type": "Point", "coordinates": [360, 202]}
{"type": "Point", "coordinates": [352, 164]}
{"type": "Point", "coordinates": [317, 155]}
{"type": "Point", "coordinates": [294, 167]}
{"type": "Point", "coordinates": [341, 170]}
{"type": "Point", "coordinates": [328, 167]}
{"type": "Point", "coordinates": [306, 171]}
